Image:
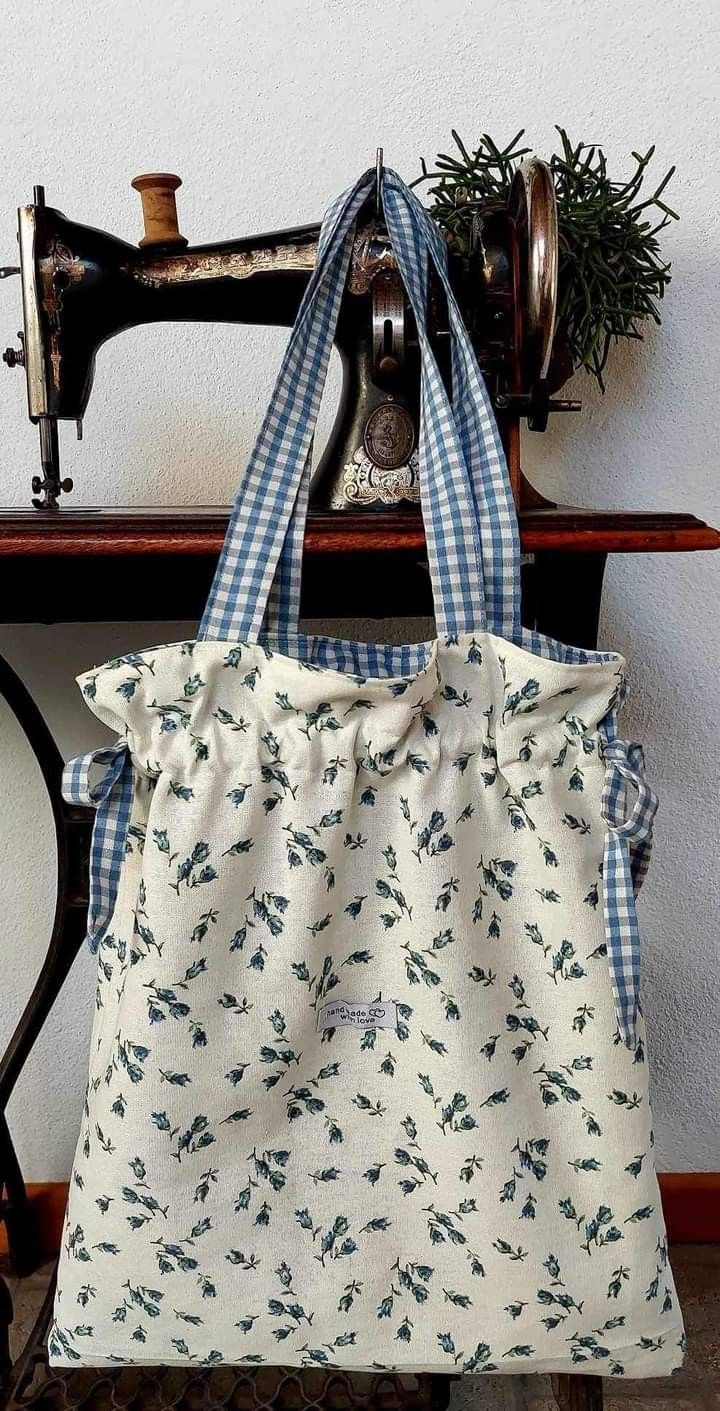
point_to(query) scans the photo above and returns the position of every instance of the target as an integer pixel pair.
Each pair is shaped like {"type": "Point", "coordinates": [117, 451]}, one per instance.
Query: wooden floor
{"type": "Point", "coordinates": [696, 1388]}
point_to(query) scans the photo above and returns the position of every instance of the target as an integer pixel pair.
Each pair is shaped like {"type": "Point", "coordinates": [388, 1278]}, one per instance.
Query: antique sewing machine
{"type": "Point", "coordinates": [81, 287]}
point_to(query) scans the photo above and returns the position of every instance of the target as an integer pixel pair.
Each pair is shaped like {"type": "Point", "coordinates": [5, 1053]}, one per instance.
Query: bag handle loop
{"type": "Point", "coordinates": [466, 499]}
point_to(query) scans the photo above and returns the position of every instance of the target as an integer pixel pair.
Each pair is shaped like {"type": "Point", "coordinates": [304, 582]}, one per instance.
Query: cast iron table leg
{"type": "Point", "coordinates": [6, 1318]}
{"type": "Point", "coordinates": [578, 1393]}
{"type": "Point", "coordinates": [72, 831]}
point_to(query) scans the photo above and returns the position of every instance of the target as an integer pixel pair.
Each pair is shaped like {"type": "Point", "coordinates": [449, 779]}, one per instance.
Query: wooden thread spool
{"type": "Point", "coordinates": [157, 193]}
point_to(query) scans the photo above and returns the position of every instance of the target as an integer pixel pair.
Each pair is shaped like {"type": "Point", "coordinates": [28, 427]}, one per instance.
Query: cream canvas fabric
{"type": "Point", "coordinates": [472, 1188]}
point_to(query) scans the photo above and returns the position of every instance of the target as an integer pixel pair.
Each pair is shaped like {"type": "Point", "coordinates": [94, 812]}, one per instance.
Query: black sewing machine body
{"type": "Point", "coordinates": [82, 286]}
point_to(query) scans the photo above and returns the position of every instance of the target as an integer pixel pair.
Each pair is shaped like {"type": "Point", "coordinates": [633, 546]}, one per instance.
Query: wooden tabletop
{"type": "Point", "coordinates": [84, 565]}
{"type": "Point", "coordinates": [199, 530]}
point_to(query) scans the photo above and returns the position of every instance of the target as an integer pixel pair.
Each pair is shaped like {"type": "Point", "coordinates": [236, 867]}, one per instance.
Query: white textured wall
{"type": "Point", "coordinates": [267, 110]}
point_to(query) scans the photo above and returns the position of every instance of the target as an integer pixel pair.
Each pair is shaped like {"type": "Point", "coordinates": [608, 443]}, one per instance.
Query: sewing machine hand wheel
{"type": "Point", "coordinates": [532, 206]}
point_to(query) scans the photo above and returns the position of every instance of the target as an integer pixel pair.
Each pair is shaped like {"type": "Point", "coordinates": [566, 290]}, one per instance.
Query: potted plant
{"type": "Point", "coordinates": [611, 276]}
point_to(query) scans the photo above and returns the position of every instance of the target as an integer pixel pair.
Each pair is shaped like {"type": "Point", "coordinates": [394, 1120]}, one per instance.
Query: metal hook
{"type": "Point", "coordinates": [378, 181]}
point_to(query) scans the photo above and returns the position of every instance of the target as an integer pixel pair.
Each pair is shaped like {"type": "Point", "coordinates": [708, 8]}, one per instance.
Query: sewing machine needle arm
{"type": "Point", "coordinates": [50, 486]}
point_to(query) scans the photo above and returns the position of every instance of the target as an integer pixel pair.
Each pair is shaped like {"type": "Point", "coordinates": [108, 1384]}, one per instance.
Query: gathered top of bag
{"type": "Point", "coordinates": [192, 708]}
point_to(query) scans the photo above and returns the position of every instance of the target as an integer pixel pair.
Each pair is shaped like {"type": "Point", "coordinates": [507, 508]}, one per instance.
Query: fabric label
{"type": "Point", "coordinates": [379, 1014]}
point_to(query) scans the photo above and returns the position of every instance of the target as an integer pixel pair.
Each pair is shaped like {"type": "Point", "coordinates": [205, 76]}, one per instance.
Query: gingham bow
{"type": "Point", "coordinates": [628, 844]}
{"type": "Point", "coordinates": [111, 796]}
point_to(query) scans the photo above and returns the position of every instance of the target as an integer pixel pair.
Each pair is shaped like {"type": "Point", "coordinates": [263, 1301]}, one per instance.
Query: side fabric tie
{"type": "Point", "coordinates": [111, 795]}
{"type": "Point", "coordinates": [628, 844]}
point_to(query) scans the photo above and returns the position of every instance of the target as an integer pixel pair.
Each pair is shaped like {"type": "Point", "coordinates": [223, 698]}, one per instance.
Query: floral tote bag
{"type": "Point", "coordinates": [368, 1083]}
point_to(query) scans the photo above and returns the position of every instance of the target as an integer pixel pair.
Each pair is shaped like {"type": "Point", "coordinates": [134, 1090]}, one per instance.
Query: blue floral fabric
{"type": "Point", "coordinates": [471, 1189]}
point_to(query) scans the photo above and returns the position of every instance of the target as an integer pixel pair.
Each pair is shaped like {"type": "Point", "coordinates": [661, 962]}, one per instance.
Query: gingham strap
{"type": "Point", "coordinates": [266, 495]}
{"type": "Point", "coordinates": [470, 519]}
{"type": "Point", "coordinates": [468, 503]}
{"type": "Point", "coordinates": [467, 500]}
{"type": "Point", "coordinates": [111, 796]}
{"type": "Point", "coordinates": [628, 807]}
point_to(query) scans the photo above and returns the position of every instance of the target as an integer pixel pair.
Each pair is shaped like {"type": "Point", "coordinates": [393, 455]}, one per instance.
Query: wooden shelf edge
{"type": "Point", "coordinates": [191, 531]}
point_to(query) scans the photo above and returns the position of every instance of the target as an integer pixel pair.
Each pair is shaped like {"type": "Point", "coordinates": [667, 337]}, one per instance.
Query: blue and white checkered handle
{"type": "Point", "coordinates": [628, 807]}
{"type": "Point", "coordinates": [103, 780]}
{"type": "Point", "coordinates": [468, 510]}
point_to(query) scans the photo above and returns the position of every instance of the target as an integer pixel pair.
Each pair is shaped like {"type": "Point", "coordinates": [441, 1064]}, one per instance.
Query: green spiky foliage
{"type": "Point", "coordinates": [611, 275]}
